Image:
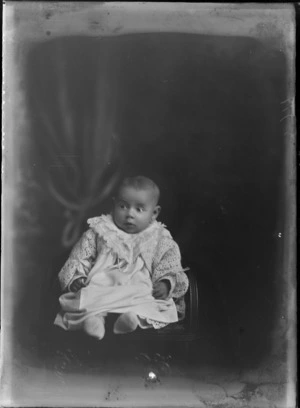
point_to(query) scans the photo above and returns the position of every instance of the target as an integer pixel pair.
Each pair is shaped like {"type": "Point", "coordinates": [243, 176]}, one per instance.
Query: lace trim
{"type": "Point", "coordinates": [129, 246]}
{"type": "Point", "coordinates": [156, 324]}
{"type": "Point", "coordinates": [167, 263]}
{"type": "Point", "coordinates": [80, 259]}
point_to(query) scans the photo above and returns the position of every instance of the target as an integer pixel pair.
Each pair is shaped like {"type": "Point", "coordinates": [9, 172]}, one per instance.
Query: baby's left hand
{"type": "Point", "coordinates": [161, 289]}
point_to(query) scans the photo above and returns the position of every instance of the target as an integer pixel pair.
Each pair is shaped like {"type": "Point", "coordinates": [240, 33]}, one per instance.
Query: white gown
{"type": "Point", "coordinates": [116, 286]}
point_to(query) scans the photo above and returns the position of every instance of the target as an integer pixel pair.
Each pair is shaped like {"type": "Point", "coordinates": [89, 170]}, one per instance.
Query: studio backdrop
{"type": "Point", "coordinates": [203, 115]}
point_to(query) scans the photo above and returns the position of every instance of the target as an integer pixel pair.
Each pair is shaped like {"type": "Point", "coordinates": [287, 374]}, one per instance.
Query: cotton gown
{"type": "Point", "coordinates": [116, 285]}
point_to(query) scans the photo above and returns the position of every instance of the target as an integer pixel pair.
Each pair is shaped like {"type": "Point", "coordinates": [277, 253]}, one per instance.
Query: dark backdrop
{"type": "Point", "coordinates": [201, 115]}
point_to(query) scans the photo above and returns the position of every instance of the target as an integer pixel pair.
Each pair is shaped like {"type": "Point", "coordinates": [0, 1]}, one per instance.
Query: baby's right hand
{"type": "Point", "coordinates": [77, 284]}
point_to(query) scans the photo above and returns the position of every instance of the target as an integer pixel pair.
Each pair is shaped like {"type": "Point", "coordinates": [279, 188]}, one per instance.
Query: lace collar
{"type": "Point", "coordinates": [129, 246]}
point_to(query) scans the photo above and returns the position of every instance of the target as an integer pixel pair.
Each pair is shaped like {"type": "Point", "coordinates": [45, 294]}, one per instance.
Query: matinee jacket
{"type": "Point", "coordinates": [155, 245]}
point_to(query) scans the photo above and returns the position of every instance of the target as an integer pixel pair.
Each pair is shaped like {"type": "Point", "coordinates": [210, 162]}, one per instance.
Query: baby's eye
{"type": "Point", "coordinates": [140, 209]}
{"type": "Point", "coordinates": [122, 206]}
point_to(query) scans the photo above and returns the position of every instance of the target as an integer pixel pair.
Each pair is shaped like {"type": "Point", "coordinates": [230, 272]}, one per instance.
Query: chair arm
{"type": "Point", "coordinates": [193, 317]}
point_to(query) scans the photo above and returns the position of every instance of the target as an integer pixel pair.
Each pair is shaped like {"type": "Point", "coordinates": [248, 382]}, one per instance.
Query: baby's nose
{"type": "Point", "coordinates": [130, 212]}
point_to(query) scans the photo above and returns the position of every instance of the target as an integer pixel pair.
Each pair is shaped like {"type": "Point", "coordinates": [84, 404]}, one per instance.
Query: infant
{"type": "Point", "coordinates": [126, 263]}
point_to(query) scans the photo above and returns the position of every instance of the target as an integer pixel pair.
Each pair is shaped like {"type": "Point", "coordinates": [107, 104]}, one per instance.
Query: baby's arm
{"type": "Point", "coordinates": [168, 268]}
{"type": "Point", "coordinates": [79, 262]}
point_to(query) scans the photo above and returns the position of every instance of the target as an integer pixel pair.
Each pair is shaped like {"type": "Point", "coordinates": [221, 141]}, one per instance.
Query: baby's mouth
{"type": "Point", "coordinates": [129, 224]}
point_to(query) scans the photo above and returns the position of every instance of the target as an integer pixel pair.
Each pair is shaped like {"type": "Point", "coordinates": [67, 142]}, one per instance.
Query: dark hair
{"type": "Point", "coordinates": [141, 183]}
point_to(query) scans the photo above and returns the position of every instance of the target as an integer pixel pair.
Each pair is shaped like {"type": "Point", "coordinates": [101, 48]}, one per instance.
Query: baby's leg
{"type": "Point", "coordinates": [94, 326]}
{"type": "Point", "coordinates": [126, 323]}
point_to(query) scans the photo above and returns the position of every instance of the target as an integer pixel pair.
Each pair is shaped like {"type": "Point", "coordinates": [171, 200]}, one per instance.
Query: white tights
{"type": "Point", "coordinates": [126, 323]}
{"type": "Point", "coordinates": [94, 326]}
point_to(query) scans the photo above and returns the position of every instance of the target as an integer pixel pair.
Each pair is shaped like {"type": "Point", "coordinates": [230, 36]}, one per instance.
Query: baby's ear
{"type": "Point", "coordinates": [156, 212]}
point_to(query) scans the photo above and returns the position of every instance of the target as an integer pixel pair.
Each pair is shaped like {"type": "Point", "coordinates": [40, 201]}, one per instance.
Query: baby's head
{"type": "Point", "coordinates": [135, 205]}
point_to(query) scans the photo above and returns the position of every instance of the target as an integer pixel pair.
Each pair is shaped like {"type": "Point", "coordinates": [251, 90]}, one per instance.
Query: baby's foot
{"type": "Point", "coordinates": [94, 326]}
{"type": "Point", "coordinates": [126, 323]}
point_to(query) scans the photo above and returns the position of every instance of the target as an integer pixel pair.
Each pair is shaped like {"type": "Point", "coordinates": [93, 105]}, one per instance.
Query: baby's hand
{"type": "Point", "coordinates": [77, 284]}
{"type": "Point", "coordinates": [161, 289]}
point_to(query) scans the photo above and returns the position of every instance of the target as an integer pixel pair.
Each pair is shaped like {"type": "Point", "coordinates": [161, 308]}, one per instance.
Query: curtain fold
{"type": "Point", "coordinates": [74, 104]}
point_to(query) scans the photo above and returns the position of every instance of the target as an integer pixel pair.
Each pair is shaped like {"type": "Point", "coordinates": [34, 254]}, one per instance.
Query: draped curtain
{"type": "Point", "coordinates": [73, 100]}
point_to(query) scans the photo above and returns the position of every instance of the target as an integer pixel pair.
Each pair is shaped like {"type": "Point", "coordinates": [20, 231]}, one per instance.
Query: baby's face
{"type": "Point", "coordinates": [134, 209]}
